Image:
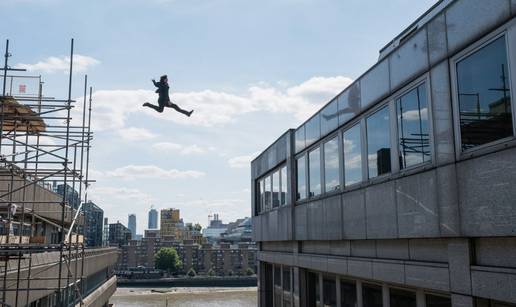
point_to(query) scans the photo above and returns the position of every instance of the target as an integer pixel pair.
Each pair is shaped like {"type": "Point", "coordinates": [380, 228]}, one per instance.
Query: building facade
{"type": "Point", "coordinates": [400, 191]}
{"type": "Point", "coordinates": [171, 225]}
{"type": "Point", "coordinates": [131, 224]}
{"type": "Point", "coordinates": [118, 234]}
{"type": "Point", "coordinates": [93, 227]}
{"type": "Point", "coordinates": [153, 219]}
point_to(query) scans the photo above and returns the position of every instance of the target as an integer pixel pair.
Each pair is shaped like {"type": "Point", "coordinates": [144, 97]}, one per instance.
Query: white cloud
{"type": "Point", "coordinates": [168, 147]}
{"type": "Point", "coordinates": [131, 172]}
{"type": "Point", "coordinates": [112, 107]}
{"type": "Point", "coordinates": [413, 115]}
{"type": "Point", "coordinates": [242, 161]}
{"type": "Point", "coordinates": [134, 134]}
{"type": "Point", "coordinates": [103, 193]}
{"type": "Point", "coordinates": [81, 63]}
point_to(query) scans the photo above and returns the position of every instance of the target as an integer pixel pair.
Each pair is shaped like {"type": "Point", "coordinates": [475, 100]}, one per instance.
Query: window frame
{"type": "Point", "coordinates": [510, 38]}
{"type": "Point", "coordinates": [322, 144]}
{"type": "Point", "coordinates": [424, 79]}
{"type": "Point", "coordinates": [360, 122]}
{"type": "Point", "coordinates": [317, 146]}
{"type": "Point", "coordinates": [262, 208]}
{"type": "Point", "coordinates": [302, 155]}
{"type": "Point", "coordinates": [387, 103]}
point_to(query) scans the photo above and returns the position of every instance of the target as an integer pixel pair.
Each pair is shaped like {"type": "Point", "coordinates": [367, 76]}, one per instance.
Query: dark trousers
{"type": "Point", "coordinates": [167, 104]}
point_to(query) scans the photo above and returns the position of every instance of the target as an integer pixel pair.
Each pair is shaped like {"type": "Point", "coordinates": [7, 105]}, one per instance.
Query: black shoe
{"type": "Point", "coordinates": [190, 113]}
{"type": "Point", "coordinates": [146, 104]}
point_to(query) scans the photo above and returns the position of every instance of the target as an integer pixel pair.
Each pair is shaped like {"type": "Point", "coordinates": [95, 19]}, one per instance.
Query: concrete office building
{"type": "Point", "coordinates": [401, 190]}
{"type": "Point", "coordinates": [93, 216]}
{"type": "Point", "coordinates": [131, 224]}
{"type": "Point", "coordinates": [153, 219]}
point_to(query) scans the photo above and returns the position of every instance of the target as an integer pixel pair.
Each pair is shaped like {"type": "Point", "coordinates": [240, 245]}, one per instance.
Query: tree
{"type": "Point", "coordinates": [197, 227]}
{"type": "Point", "coordinates": [211, 272]}
{"type": "Point", "coordinates": [249, 272]}
{"type": "Point", "coordinates": [167, 259]}
{"type": "Point", "coordinates": [191, 273]}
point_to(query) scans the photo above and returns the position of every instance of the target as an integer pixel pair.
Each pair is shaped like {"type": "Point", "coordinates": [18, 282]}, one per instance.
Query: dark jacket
{"type": "Point", "coordinates": [162, 91]}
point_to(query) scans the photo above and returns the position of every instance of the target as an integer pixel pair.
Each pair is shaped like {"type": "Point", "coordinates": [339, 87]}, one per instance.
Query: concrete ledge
{"type": "Point", "coordinates": [101, 295]}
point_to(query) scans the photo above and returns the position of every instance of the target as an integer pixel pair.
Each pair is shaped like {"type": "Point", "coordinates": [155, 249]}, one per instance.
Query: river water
{"type": "Point", "coordinates": [185, 297]}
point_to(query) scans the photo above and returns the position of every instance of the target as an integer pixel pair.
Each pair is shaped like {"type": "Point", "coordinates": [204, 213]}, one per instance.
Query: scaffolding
{"type": "Point", "coordinates": [44, 162]}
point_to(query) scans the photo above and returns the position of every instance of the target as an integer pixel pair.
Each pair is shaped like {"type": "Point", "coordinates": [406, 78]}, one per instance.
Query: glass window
{"type": "Point", "coordinates": [300, 139]}
{"type": "Point", "coordinates": [284, 184]}
{"type": "Point", "coordinates": [372, 295]}
{"type": "Point", "coordinates": [268, 193]}
{"type": "Point", "coordinates": [352, 155]}
{"type": "Point", "coordinates": [329, 118]}
{"type": "Point", "coordinates": [349, 103]}
{"type": "Point", "coordinates": [277, 275]}
{"type": "Point", "coordinates": [348, 294]}
{"type": "Point", "coordinates": [275, 189]}
{"type": "Point", "coordinates": [313, 130]}
{"type": "Point", "coordinates": [314, 164]}
{"type": "Point", "coordinates": [286, 278]}
{"type": "Point", "coordinates": [413, 138]}
{"type": "Point", "coordinates": [402, 298]}
{"type": "Point", "coordinates": [437, 301]}
{"type": "Point", "coordinates": [378, 143]}
{"type": "Point", "coordinates": [331, 165]}
{"type": "Point", "coordinates": [484, 95]}
{"type": "Point", "coordinates": [313, 292]}
{"type": "Point", "coordinates": [301, 177]}
{"type": "Point", "coordinates": [259, 198]}
{"type": "Point", "coordinates": [330, 292]}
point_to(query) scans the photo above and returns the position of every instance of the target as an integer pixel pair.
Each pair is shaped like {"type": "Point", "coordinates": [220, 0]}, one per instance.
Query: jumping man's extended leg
{"type": "Point", "coordinates": [156, 108]}
{"type": "Point", "coordinates": [178, 109]}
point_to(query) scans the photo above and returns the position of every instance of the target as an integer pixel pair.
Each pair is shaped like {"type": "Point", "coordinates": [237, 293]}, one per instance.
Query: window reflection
{"type": "Point", "coordinates": [260, 193]}
{"type": "Point", "coordinates": [331, 165]}
{"type": "Point", "coordinates": [283, 187]}
{"type": "Point", "coordinates": [275, 189]}
{"type": "Point", "coordinates": [348, 294]}
{"type": "Point", "coordinates": [329, 117]}
{"type": "Point", "coordinates": [300, 139]}
{"type": "Point", "coordinates": [301, 178]}
{"type": "Point", "coordinates": [349, 103]}
{"type": "Point", "coordinates": [313, 130]}
{"type": "Point", "coordinates": [352, 155]}
{"type": "Point", "coordinates": [268, 193]}
{"type": "Point", "coordinates": [402, 298]}
{"type": "Point", "coordinates": [314, 164]}
{"type": "Point", "coordinates": [372, 295]}
{"type": "Point", "coordinates": [378, 143]}
{"type": "Point", "coordinates": [413, 139]}
{"type": "Point", "coordinates": [484, 95]}
{"type": "Point", "coordinates": [313, 292]}
{"type": "Point", "coordinates": [330, 292]}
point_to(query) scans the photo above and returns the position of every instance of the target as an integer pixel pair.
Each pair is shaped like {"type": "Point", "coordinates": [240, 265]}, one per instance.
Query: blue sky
{"type": "Point", "coordinates": [250, 69]}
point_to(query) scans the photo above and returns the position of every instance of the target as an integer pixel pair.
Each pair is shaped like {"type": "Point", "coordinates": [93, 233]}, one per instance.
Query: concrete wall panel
{"type": "Point", "coordinates": [315, 220]}
{"type": "Point", "coordinates": [427, 277]}
{"type": "Point", "coordinates": [359, 268]}
{"type": "Point", "coordinates": [332, 218]}
{"type": "Point", "coordinates": [500, 252]}
{"type": "Point", "coordinates": [363, 248]}
{"type": "Point", "coordinates": [409, 60]}
{"type": "Point", "coordinates": [381, 219]}
{"type": "Point", "coordinates": [466, 19]}
{"type": "Point", "coordinates": [300, 222]}
{"type": "Point", "coordinates": [442, 114]}
{"type": "Point", "coordinates": [435, 250]}
{"type": "Point", "coordinates": [392, 249]}
{"type": "Point", "coordinates": [389, 272]}
{"type": "Point", "coordinates": [487, 194]}
{"type": "Point", "coordinates": [375, 84]}
{"type": "Point", "coordinates": [494, 285]}
{"type": "Point", "coordinates": [418, 214]}
{"type": "Point", "coordinates": [437, 45]}
{"type": "Point", "coordinates": [448, 200]}
{"type": "Point", "coordinates": [353, 215]}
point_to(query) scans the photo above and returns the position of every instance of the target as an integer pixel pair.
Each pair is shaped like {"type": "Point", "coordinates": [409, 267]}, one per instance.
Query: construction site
{"type": "Point", "coordinates": [45, 148]}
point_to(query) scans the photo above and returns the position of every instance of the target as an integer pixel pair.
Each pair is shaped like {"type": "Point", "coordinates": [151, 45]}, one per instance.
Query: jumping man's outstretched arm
{"type": "Point", "coordinates": [156, 84]}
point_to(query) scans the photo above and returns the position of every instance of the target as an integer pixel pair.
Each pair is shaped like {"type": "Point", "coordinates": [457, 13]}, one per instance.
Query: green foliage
{"type": "Point", "coordinates": [167, 259]}
{"type": "Point", "coordinates": [231, 273]}
{"type": "Point", "coordinates": [197, 227]}
{"type": "Point", "coordinates": [249, 272]}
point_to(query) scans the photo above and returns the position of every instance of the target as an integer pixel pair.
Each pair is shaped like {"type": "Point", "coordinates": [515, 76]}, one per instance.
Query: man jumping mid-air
{"type": "Point", "coordinates": [164, 99]}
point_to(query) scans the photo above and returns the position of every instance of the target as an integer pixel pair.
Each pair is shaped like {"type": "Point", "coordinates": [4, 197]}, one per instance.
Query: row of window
{"type": "Point", "coordinates": [363, 150]}
{"type": "Point", "coordinates": [483, 93]}
{"type": "Point", "coordinates": [272, 190]}
{"type": "Point", "coordinates": [413, 140]}
{"type": "Point", "coordinates": [372, 294]}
